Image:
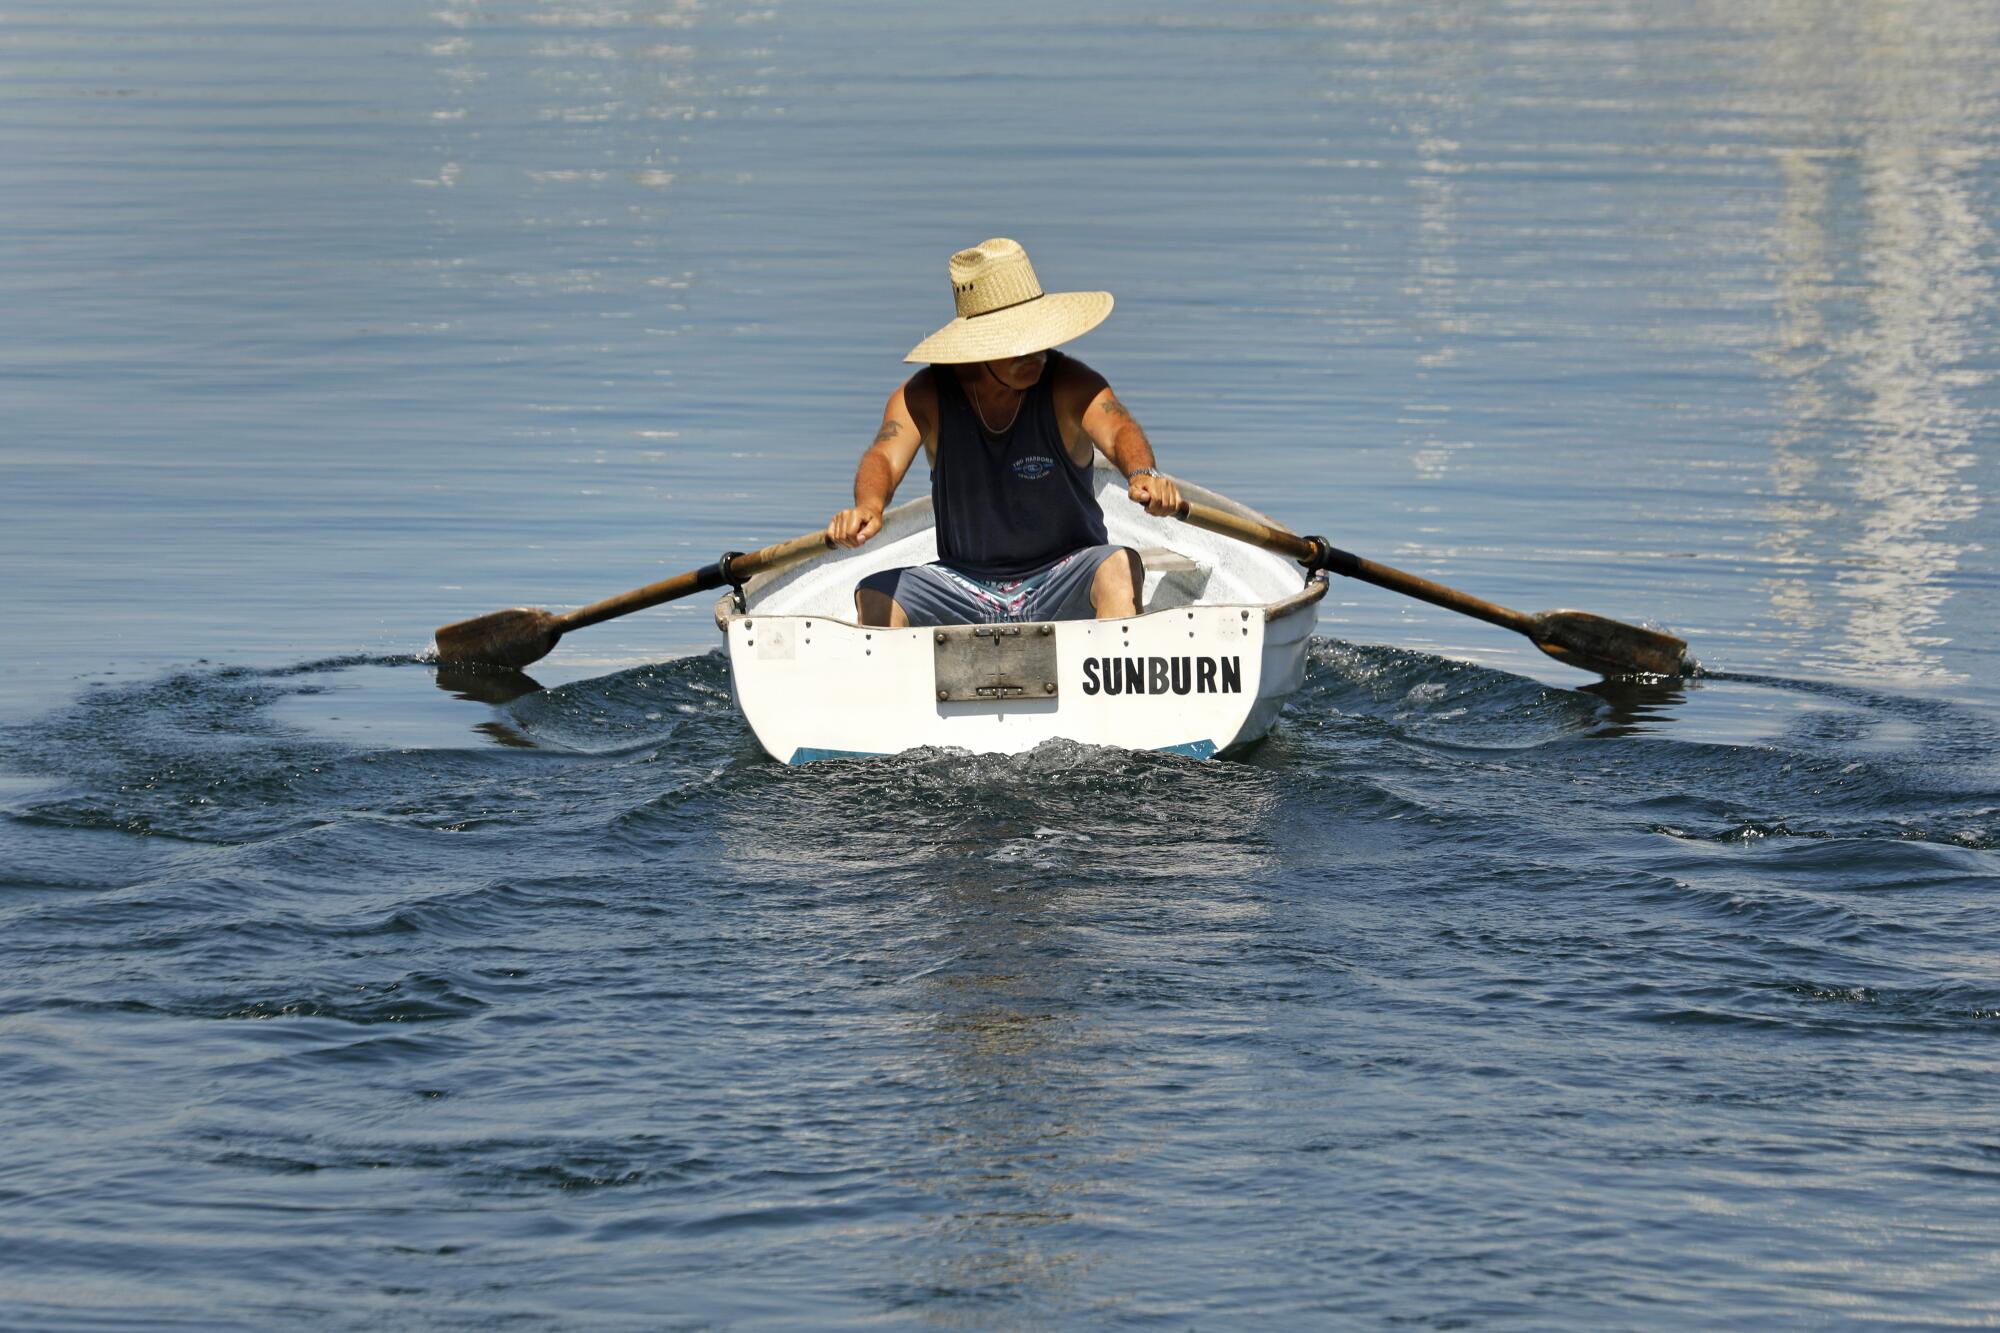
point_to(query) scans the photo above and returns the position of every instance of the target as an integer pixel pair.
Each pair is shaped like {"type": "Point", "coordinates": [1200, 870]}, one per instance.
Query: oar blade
{"type": "Point", "coordinates": [510, 638]}
{"type": "Point", "coordinates": [1609, 647]}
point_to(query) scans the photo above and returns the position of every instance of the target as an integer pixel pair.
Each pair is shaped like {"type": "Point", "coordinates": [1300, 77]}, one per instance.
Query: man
{"type": "Point", "coordinates": [1009, 426]}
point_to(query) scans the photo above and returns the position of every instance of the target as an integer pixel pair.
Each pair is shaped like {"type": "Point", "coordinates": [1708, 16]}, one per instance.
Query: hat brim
{"type": "Point", "coordinates": [1032, 326]}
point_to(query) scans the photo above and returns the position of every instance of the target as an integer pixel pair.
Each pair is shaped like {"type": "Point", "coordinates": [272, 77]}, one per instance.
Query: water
{"type": "Point", "coordinates": [1478, 995]}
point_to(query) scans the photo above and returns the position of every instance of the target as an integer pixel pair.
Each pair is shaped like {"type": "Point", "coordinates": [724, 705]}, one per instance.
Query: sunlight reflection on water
{"type": "Point", "coordinates": [1878, 221]}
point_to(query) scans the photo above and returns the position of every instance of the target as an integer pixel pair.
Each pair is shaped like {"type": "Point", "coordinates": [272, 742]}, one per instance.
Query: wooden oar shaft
{"type": "Point", "coordinates": [1423, 589]}
{"type": "Point", "coordinates": [729, 569]}
{"type": "Point", "coordinates": [1578, 638]}
{"type": "Point", "coordinates": [1248, 530]}
{"type": "Point", "coordinates": [1319, 555]}
{"type": "Point", "coordinates": [666, 590]}
{"type": "Point", "coordinates": [524, 634]}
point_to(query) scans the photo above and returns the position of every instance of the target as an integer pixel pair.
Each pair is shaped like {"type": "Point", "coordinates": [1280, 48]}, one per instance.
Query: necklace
{"type": "Point", "coordinates": [974, 400]}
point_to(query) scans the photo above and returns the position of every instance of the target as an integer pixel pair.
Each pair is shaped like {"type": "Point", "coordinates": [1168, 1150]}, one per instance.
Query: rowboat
{"type": "Point", "coordinates": [1202, 671]}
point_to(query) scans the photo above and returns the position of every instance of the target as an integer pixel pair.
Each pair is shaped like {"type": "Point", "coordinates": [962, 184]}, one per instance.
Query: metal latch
{"type": "Point", "coordinates": [988, 663]}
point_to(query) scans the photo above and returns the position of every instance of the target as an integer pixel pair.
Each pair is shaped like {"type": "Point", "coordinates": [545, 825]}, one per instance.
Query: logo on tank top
{"type": "Point", "coordinates": [1034, 467]}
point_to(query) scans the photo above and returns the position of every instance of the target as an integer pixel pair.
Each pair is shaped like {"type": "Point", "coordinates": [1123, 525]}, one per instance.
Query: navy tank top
{"type": "Point", "coordinates": [1010, 505]}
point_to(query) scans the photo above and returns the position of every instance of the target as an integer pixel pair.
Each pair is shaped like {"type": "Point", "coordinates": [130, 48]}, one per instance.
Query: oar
{"type": "Point", "coordinates": [523, 634]}
{"type": "Point", "coordinates": [1576, 638]}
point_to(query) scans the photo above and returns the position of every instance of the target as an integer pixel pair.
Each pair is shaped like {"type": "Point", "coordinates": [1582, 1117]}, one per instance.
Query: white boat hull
{"type": "Point", "coordinates": [1194, 675]}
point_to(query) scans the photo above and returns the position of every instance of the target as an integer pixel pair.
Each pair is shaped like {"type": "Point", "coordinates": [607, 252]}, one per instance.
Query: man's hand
{"type": "Point", "coordinates": [851, 527]}
{"type": "Point", "coordinates": [1158, 494]}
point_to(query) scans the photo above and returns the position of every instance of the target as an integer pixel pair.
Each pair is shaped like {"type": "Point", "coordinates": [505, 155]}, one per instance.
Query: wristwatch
{"type": "Point", "coordinates": [1142, 472]}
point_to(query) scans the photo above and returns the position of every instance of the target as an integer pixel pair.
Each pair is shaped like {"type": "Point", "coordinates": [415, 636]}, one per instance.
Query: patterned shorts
{"type": "Point", "coordinates": [937, 594]}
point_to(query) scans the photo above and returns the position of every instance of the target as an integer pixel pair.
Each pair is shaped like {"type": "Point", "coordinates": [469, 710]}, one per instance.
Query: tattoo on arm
{"type": "Point", "coordinates": [1116, 411]}
{"type": "Point", "coordinates": [890, 430]}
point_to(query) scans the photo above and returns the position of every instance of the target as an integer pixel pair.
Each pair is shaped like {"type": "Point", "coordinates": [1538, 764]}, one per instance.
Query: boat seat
{"type": "Point", "coordinates": [1159, 560]}
{"type": "Point", "coordinates": [1172, 579]}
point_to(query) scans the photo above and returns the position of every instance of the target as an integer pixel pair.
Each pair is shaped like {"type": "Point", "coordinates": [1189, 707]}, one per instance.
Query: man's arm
{"type": "Point", "coordinates": [882, 468]}
{"type": "Point", "coordinates": [1111, 428]}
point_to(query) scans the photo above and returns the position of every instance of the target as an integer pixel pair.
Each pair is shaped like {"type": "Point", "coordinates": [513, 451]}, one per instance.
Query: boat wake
{"type": "Point", "coordinates": [209, 787]}
{"type": "Point", "coordinates": [228, 753]}
{"type": "Point", "coordinates": [359, 928]}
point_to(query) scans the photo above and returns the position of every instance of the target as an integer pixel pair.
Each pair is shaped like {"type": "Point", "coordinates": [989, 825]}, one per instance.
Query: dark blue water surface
{"type": "Point", "coordinates": [340, 991]}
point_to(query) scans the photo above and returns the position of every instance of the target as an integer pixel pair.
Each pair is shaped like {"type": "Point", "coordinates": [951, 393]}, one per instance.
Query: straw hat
{"type": "Point", "coordinates": [1003, 311]}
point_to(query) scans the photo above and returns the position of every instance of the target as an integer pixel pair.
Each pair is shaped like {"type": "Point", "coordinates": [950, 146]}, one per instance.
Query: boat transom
{"type": "Point", "coordinates": [988, 662]}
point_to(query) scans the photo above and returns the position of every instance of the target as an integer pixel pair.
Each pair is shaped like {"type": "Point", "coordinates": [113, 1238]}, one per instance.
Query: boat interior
{"type": "Point", "coordinates": [1185, 565]}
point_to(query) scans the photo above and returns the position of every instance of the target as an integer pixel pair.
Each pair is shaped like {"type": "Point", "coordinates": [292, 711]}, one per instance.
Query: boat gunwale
{"type": "Point", "coordinates": [727, 612]}
{"type": "Point", "coordinates": [1316, 588]}
{"type": "Point", "coordinates": [734, 602]}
